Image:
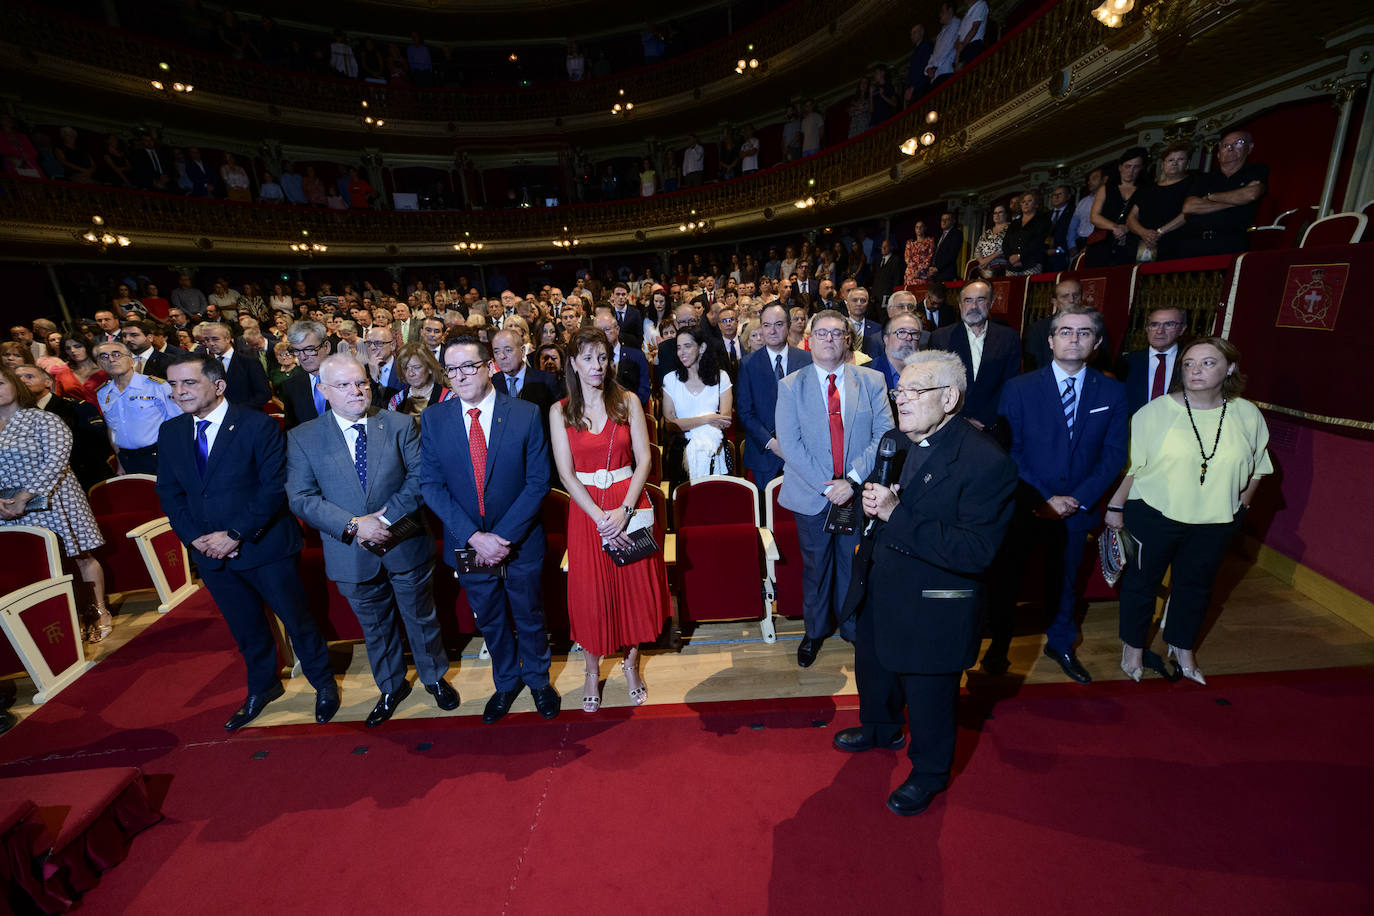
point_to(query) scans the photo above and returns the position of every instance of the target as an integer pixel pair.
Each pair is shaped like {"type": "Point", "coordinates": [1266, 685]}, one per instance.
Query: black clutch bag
{"type": "Point", "coordinates": [642, 544]}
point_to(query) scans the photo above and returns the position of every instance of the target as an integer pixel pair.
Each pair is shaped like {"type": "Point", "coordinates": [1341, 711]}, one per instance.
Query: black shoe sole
{"type": "Point", "coordinates": [908, 812]}
{"type": "Point", "coordinates": [896, 745]}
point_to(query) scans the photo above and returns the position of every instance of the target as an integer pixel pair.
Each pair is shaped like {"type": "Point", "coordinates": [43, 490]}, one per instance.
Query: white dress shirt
{"type": "Point", "coordinates": [1170, 358]}
{"type": "Point", "coordinates": [1060, 375]}
{"type": "Point", "coordinates": [975, 346]}
{"type": "Point", "coordinates": [823, 376]}
{"type": "Point", "coordinates": [942, 56]}
{"type": "Point", "coordinates": [516, 383]}
{"type": "Point", "coordinates": [693, 159]}
{"type": "Point", "coordinates": [216, 418]}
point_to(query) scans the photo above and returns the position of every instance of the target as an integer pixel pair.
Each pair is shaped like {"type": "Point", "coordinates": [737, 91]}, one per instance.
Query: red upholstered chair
{"type": "Point", "coordinates": [652, 423]}
{"type": "Point", "coordinates": [655, 464]}
{"type": "Point", "coordinates": [38, 611]}
{"type": "Point", "coordinates": [1368, 211]}
{"type": "Point", "coordinates": [121, 505]}
{"type": "Point", "coordinates": [1267, 238]}
{"type": "Point", "coordinates": [553, 582]}
{"type": "Point", "coordinates": [719, 567]}
{"type": "Point", "coordinates": [330, 610]}
{"type": "Point", "coordinates": [784, 587]}
{"type": "Point", "coordinates": [1336, 229]}
{"type": "Point", "coordinates": [455, 616]}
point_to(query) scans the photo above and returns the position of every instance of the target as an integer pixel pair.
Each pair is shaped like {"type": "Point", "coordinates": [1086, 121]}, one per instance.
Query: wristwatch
{"type": "Point", "coordinates": [352, 527]}
{"type": "Point", "coordinates": [233, 533]}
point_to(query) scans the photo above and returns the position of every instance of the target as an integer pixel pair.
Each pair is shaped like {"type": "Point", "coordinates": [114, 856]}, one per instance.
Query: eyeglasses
{"type": "Point", "coordinates": [298, 352]}
{"type": "Point", "coordinates": [1071, 333]}
{"type": "Point", "coordinates": [378, 344]}
{"type": "Point", "coordinates": [1164, 325]}
{"type": "Point", "coordinates": [1235, 145]}
{"type": "Point", "coordinates": [828, 333]}
{"type": "Point", "coordinates": [911, 394]}
{"type": "Point", "coordinates": [463, 369]}
{"type": "Point", "coordinates": [344, 387]}
{"type": "Point", "coordinates": [907, 334]}
{"type": "Point", "coordinates": [110, 357]}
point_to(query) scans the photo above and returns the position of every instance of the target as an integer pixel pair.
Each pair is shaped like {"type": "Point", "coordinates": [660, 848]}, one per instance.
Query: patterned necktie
{"type": "Point", "coordinates": [514, 386]}
{"type": "Point", "coordinates": [477, 447]}
{"type": "Point", "coordinates": [1157, 388]}
{"type": "Point", "coordinates": [360, 453]}
{"type": "Point", "coordinates": [202, 446]}
{"type": "Point", "coordinates": [832, 403]}
{"type": "Point", "coordinates": [1069, 401]}
{"type": "Point", "coordinates": [777, 366]}
{"type": "Point", "coordinates": [319, 397]}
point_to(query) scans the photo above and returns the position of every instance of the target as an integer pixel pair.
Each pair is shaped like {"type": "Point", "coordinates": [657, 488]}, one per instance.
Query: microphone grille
{"type": "Point", "coordinates": [887, 448]}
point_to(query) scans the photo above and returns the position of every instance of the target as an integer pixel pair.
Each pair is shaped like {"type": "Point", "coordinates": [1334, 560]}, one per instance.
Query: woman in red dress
{"type": "Point", "coordinates": [598, 432]}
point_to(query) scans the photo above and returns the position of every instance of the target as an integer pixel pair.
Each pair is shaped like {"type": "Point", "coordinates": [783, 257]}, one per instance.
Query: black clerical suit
{"type": "Point", "coordinates": [918, 588]}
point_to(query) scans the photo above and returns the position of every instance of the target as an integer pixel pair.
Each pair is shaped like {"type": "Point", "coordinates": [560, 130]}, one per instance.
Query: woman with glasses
{"type": "Point", "coordinates": [601, 446]}
{"type": "Point", "coordinates": [697, 402]}
{"type": "Point", "coordinates": [987, 251]}
{"type": "Point", "coordinates": [1197, 457]}
{"type": "Point", "coordinates": [425, 381]}
{"type": "Point", "coordinates": [35, 454]}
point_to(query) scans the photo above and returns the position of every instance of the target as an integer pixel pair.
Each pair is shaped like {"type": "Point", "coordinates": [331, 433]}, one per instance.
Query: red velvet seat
{"type": "Point", "coordinates": [135, 493]}
{"type": "Point", "coordinates": [455, 616]}
{"type": "Point", "coordinates": [121, 504]}
{"type": "Point", "coordinates": [652, 423]}
{"type": "Point", "coordinates": [719, 554]}
{"type": "Point", "coordinates": [553, 581]}
{"type": "Point", "coordinates": [38, 611]}
{"type": "Point", "coordinates": [785, 574]}
{"type": "Point", "coordinates": [330, 610]}
{"type": "Point", "coordinates": [1336, 229]}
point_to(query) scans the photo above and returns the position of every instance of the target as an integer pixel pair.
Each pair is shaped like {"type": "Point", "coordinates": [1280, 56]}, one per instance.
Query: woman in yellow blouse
{"type": "Point", "coordinates": [1197, 456]}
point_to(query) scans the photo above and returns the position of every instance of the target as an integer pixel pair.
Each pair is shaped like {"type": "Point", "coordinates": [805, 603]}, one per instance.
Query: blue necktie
{"type": "Point", "coordinates": [360, 453]}
{"type": "Point", "coordinates": [319, 398]}
{"type": "Point", "coordinates": [202, 446]}
{"type": "Point", "coordinates": [1068, 399]}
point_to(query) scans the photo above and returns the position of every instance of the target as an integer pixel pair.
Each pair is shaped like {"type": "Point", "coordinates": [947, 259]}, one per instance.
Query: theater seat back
{"type": "Point", "coordinates": [1336, 229]}
{"type": "Point", "coordinates": [787, 568]}
{"type": "Point", "coordinates": [134, 494]}
{"type": "Point", "coordinates": [31, 555]}
{"type": "Point", "coordinates": [716, 500]}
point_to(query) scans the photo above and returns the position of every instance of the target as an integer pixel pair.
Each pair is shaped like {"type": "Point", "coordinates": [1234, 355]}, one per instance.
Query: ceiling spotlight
{"type": "Point", "coordinates": [753, 63]}
{"type": "Point", "coordinates": [98, 220]}
{"type": "Point", "coordinates": [364, 103]}
{"type": "Point", "coordinates": [932, 116]}
{"type": "Point", "coordinates": [927, 138]}
{"type": "Point", "coordinates": [163, 65]}
{"type": "Point", "coordinates": [909, 146]}
{"type": "Point", "coordinates": [513, 57]}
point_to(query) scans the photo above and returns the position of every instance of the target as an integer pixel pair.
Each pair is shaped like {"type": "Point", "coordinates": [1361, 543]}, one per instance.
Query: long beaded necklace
{"type": "Point", "coordinates": [1202, 478]}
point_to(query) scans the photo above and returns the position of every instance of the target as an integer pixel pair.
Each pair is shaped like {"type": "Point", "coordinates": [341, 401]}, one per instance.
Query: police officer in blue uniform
{"type": "Point", "coordinates": [134, 406]}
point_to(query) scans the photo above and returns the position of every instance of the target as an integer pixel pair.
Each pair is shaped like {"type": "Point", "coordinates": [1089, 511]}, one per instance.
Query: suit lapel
{"type": "Point", "coordinates": [851, 406]}
{"type": "Point", "coordinates": [499, 415]}
{"type": "Point", "coordinates": [373, 425]}
{"type": "Point", "coordinates": [338, 454]}
{"type": "Point", "coordinates": [224, 440]}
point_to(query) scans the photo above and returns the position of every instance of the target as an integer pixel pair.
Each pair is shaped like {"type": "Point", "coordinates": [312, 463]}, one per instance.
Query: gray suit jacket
{"type": "Point", "coordinates": [323, 490]}
{"type": "Point", "coordinates": [803, 431]}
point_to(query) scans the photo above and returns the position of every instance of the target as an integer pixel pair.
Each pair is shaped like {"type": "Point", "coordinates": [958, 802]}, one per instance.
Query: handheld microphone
{"type": "Point", "coordinates": [887, 471]}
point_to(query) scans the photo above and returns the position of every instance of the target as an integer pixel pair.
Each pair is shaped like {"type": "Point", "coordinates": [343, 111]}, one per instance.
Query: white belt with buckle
{"type": "Point", "coordinates": [603, 478]}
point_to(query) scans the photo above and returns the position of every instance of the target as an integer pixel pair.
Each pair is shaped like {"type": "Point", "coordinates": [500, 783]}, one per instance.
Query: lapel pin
{"type": "Point", "coordinates": [925, 479]}
{"type": "Point", "coordinates": [231, 429]}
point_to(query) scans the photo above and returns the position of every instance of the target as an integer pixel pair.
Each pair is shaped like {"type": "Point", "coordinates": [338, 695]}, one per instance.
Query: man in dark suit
{"type": "Point", "coordinates": [300, 395]}
{"type": "Point", "coordinates": [629, 319]}
{"type": "Point", "coordinates": [934, 310]}
{"type": "Point", "coordinates": [351, 476]}
{"type": "Point", "coordinates": [920, 575]}
{"type": "Point", "coordinates": [631, 368]}
{"type": "Point", "coordinates": [868, 335]}
{"type": "Point", "coordinates": [151, 167]}
{"type": "Point", "coordinates": [944, 262]}
{"type": "Point", "coordinates": [731, 345]}
{"type": "Point", "coordinates": [245, 379]}
{"type": "Point", "coordinates": [889, 273]}
{"type": "Point", "coordinates": [991, 354]}
{"type": "Point", "coordinates": [136, 336]}
{"type": "Point", "coordinates": [1061, 214]}
{"type": "Point", "coordinates": [517, 378]}
{"type": "Point", "coordinates": [901, 340]}
{"type": "Point", "coordinates": [1152, 372]}
{"type": "Point", "coordinates": [759, 375]}
{"type": "Point", "coordinates": [1036, 339]}
{"type": "Point", "coordinates": [1068, 425]}
{"type": "Point", "coordinates": [221, 478]}
{"type": "Point", "coordinates": [485, 473]}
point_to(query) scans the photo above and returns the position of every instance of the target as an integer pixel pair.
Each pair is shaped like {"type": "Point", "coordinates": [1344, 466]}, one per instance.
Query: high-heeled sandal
{"type": "Point", "coordinates": [591, 702]}
{"type": "Point", "coordinates": [638, 695]}
{"type": "Point", "coordinates": [1192, 674]}
{"type": "Point", "coordinates": [96, 632]}
{"type": "Point", "coordinates": [1132, 673]}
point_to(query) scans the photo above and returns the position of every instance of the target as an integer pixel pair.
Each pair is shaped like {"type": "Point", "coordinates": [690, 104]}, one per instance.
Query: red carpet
{"type": "Point", "coordinates": [1253, 795]}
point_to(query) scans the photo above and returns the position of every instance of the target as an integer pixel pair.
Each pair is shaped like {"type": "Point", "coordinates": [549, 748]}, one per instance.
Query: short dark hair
{"type": "Point", "coordinates": [210, 367]}
{"type": "Point", "coordinates": [467, 339]}
{"type": "Point", "coordinates": [1099, 323]}
{"type": "Point", "coordinates": [145, 326]}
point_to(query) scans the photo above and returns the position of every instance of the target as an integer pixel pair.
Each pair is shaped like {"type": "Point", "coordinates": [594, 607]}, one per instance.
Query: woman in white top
{"type": "Point", "coordinates": [281, 301]}
{"type": "Point", "coordinates": [235, 180]}
{"type": "Point", "coordinates": [697, 401]}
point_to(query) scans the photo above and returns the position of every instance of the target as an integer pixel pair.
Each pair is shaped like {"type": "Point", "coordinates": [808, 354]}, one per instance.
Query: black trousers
{"type": "Point", "coordinates": [927, 699]}
{"type": "Point", "coordinates": [1194, 551]}
{"type": "Point", "coordinates": [139, 460]}
{"type": "Point", "coordinates": [241, 595]}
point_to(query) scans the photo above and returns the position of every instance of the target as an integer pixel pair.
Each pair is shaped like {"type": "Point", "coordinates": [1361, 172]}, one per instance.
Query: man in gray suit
{"type": "Point", "coordinates": [351, 476]}
{"type": "Point", "coordinates": [829, 420]}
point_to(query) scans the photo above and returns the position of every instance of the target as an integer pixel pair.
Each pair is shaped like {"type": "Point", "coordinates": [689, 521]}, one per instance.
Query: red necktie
{"type": "Point", "coordinates": [832, 403]}
{"type": "Point", "coordinates": [1157, 388]}
{"type": "Point", "coordinates": [477, 446]}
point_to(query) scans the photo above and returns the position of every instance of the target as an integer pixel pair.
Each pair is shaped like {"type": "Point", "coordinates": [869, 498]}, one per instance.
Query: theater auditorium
{"type": "Point", "coordinates": [751, 456]}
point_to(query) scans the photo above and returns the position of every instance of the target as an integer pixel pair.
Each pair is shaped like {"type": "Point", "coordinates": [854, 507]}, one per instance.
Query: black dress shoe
{"type": "Point", "coordinates": [909, 799]}
{"type": "Point", "coordinates": [995, 665]}
{"type": "Point", "coordinates": [7, 721]}
{"type": "Point", "coordinates": [547, 701]}
{"type": "Point", "coordinates": [444, 694]}
{"type": "Point", "coordinates": [326, 703]}
{"type": "Point", "coordinates": [1071, 665]}
{"type": "Point", "coordinates": [252, 706]}
{"type": "Point", "coordinates": [856, 741]}
{"type": "Point", "coordinates": [808, 649]}
{"type": "Point", "coordinates": [386, 705]}
{"type": "Point", "coordinates": [499, 705]}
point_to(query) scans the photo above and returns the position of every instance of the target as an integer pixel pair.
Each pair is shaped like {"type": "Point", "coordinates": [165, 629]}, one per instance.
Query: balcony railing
{"type": "Point", "coordinates": [39, 29]}
{"type": "Point", "coordinates": [1028, 56]}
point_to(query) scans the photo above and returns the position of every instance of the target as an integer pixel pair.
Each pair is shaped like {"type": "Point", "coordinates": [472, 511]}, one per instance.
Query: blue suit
{"type": "Point", "coordinates": [757, 394]}
{"type": "Point", "coordinates": [243, 488]}
{"type": "Point", "coordinates": [1050, 463]}
{"type": "Point", "coordinates": [633, 356]}
{"type": "Point", "coordinates": [509, 610]}
{"type": "Point", "coordinates": [1139, 375]}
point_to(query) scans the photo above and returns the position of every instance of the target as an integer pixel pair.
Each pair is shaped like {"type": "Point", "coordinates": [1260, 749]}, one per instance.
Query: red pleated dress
{"type": "Point", "coordinates": [609, 606]}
